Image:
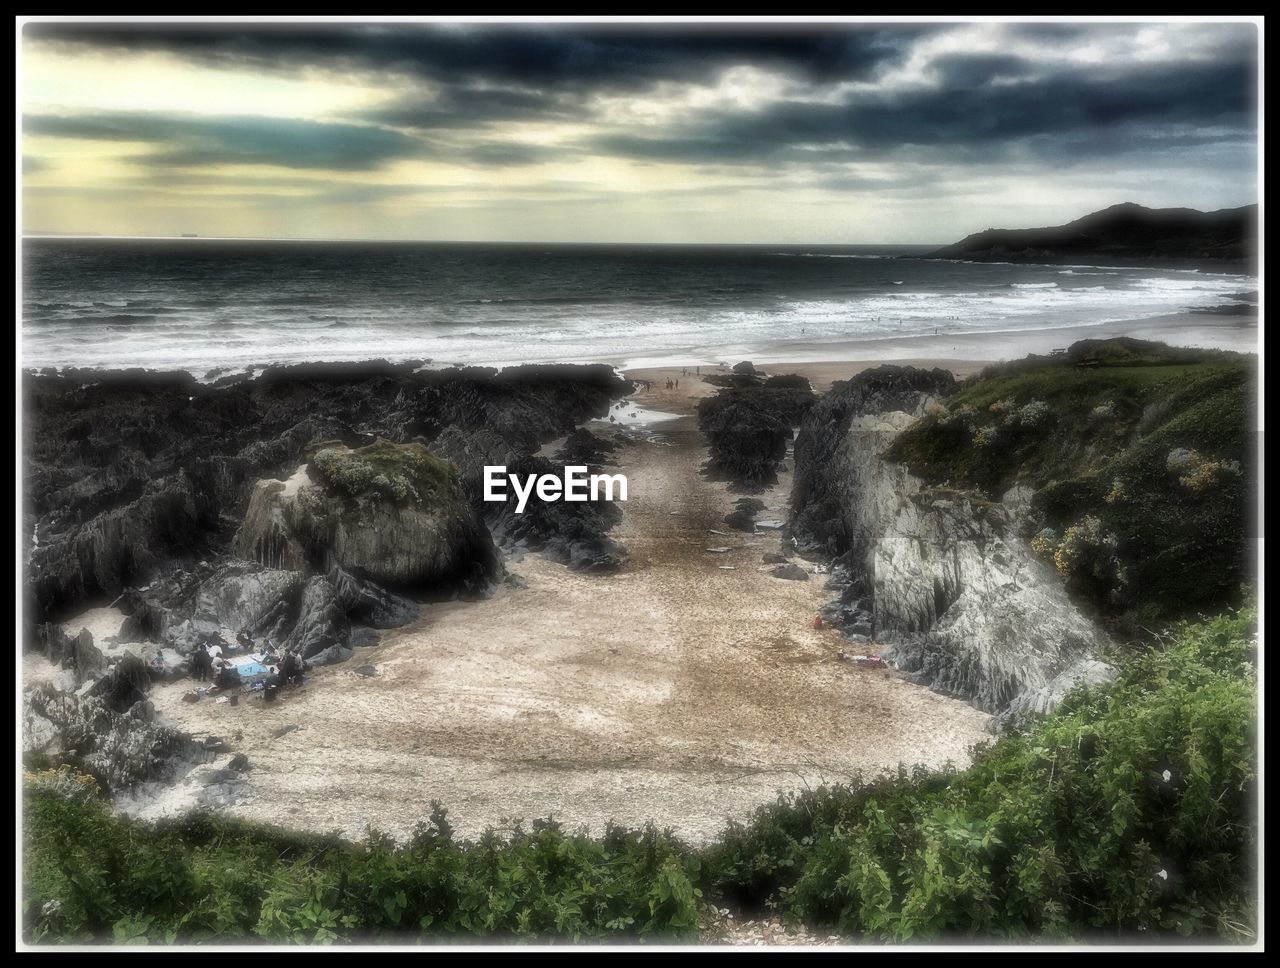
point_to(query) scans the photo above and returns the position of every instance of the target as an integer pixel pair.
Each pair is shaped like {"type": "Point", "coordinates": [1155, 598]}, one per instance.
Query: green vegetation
{"type": "Point", "coordinates": [1140, 457]}
{"type": "Point", "coordinates": [402, 473]}
{"type": "Point", "coordinates": [1129, 813]}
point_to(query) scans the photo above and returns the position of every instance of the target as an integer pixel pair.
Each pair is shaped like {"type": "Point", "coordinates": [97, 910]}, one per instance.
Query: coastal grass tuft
{"type": "Point", "coordinates": [1126, 815]}
{"type": "Point", "coordinates": [401, 473]}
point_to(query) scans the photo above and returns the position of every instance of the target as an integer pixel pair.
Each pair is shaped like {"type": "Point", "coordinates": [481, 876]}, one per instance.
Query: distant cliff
{"type": "Point", "coordinates": [1121, 234]}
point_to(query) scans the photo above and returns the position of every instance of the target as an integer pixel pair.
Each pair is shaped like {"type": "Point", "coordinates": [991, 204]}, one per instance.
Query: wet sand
{"type": "Point", "coordinates": [684, 690]}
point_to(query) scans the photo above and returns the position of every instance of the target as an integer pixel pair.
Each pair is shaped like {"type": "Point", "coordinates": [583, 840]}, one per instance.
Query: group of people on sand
{"type": "Point", "coordinates": [208, 663]}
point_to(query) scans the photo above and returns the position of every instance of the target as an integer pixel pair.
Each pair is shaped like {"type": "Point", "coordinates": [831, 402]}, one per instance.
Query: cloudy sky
{"type": "Point", "coordinates": [659, 132]}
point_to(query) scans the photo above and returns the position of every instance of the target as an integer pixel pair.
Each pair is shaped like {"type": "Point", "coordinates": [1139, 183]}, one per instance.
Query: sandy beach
{"type": "Point", "coordinates": [685, 690]}
{"type": "Point", "coordinates": [968, 352]}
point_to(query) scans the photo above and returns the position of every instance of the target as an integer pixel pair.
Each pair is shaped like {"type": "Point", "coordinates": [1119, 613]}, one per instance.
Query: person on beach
{"type": "Point", "coordinates": [200, 665]}
{"type": "Point", "coordinates": [290, 669]}
{"type": "Point", "coordinates": [226, 676]}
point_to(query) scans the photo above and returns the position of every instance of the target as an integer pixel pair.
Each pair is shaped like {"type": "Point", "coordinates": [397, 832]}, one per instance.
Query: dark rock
{"type": "Point", "coordinates": [322, 625]}
{"type": "Point", "coordinates": [773, 558]}
{"type": "Point", "coordinates": [87, 659]}
{"type": "Point", "coordinates": [790, 571]}
{"type": "Point", "coordinates": [333, 655]}
{"type": "Point", "coordinates": [572, 533]}
{"type": "Point", "coordinates": [363, 638]}
{"type": "Point", "coordinates": [364, 601]}
{"type": "Point", "coordinates": [239, 763]}
{"type": "Point", "coordinates": [52, 641]}
{"type": "Point", "coordinates": [745, 441]}
{"type": "Point", "coordinates": [119, 747]}
{"type": "Point", "coordinates": [584, 447]}
{"type": "Point", "coordinates": [744, 367]}
{"type": "Point", "coordinates": [747, 429]}
{"type": "Point", "coordinates": [367, 671]}
{"type": "Point", "coordinates": [743, 517]}
{"type": "Point", "coordinates": [245, 595]}
{"type": "Point", "coordinates": [129, 473]}
{"type": "Point", "coordinates": [125, 685]}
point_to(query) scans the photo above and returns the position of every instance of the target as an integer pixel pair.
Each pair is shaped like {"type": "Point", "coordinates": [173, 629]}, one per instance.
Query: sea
{"type": "Point", "coordinates": [210, 306]}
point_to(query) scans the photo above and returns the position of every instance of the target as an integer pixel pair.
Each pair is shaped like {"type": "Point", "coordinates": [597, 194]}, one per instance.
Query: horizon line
{"type": "Point", "coordinates": [271, 238]}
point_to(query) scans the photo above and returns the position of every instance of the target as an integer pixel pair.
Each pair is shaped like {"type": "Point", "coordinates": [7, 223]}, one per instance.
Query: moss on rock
{"type": "Point", "coordinates": [400, 473]}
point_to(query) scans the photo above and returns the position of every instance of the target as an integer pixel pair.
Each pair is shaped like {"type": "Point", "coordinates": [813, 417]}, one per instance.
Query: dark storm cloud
{"type": "Point", "coordinates": [535, 57]}
{"type": "Point", "coordinates": [968, 115]}
{"type": "Point", "coordinates": [186, 140]}
{"type": "Point", "coordinates": [472, 80]}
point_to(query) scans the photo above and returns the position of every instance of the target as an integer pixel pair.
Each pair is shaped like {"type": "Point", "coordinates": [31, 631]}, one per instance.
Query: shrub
{"type": "Point", "coordinates": [1128, 813]}
{"type": "Point", "coordinates": [1045, 543]}
{"type": "Point", "coordinates": [1033, 414]}
{"type": "Point", "coordinates": [1086, 548]}
{"type": "Point", "coordinates": [986, 436]}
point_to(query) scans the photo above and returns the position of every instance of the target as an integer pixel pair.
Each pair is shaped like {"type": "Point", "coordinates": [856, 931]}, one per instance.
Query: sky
{"type": "Point", "coordinates": [660, 132]}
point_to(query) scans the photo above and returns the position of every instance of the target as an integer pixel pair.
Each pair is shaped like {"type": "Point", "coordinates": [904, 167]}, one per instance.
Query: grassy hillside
{"type": "Point", "coordinates": [1128, 814]}
{"type": "Point", "coordinates": [1141, 459]}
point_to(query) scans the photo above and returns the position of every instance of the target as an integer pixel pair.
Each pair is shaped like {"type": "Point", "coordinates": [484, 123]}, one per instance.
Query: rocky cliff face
{"type": "Point", "coordinates": [965, 604]}
{"type": "Point", "coordinates": [970, 609]}
{"type": "Point", "coordinates": [827, 515]}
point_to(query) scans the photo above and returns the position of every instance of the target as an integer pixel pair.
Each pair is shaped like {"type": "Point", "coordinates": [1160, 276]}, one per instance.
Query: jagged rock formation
{"type": "Point", "coordinates": [748, 423]}
{"type": "Point", "coordinates": [966, 605]}
{"type": "Point", "coordinates": [107, 729]}
{"type": "Point", "coordinates": [969, 608]}
{"type": "Point", "coordinates": [572, 533]}
{"type": "Point", "coordinates": [131, 473]}
{"type": "Point", "coordinates": [584, 447]}
{"type": "Point", "coordinates": [827, 516]}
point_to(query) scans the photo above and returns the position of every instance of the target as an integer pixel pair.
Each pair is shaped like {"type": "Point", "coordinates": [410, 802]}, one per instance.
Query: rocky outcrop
{"type": "Point", "coordinates": [942, 577]}
{"type": "Point", "coordinates": [584, 447]}
{"type": "Point", "coordinates": [322, 624]}
{"type": "Point", "coordinates": [102, 555]}
{"type": "Point", "coordinates": [572, 533]}
{"type": "Point", "coordinates": [131, 474]}
{"type": "Point", "coordinates": [834, 456]}
{"type": "Point", "coordinates": [363, 601]}
{"type": "Point", "coordinates": [107, 730]}
{"type": "Point", "coordinates": [747, 425]}
{"type": "Point", "coordinates": [393, 513]}
{"type": "Point", "coordinates": [969, 608]}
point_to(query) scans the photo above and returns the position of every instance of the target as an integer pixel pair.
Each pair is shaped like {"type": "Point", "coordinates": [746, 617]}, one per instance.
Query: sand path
{"type": "Point", "coordinates": [674, 691]}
